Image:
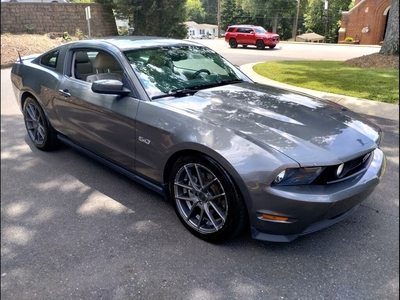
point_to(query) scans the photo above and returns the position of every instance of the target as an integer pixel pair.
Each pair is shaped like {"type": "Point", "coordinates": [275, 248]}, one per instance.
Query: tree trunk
{"type": "Point", "coordinates": [275, 24]}
{"type": "Point", "coordinates": [391, 42]}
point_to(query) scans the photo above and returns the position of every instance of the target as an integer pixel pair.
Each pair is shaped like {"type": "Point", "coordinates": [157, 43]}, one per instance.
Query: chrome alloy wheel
{"type": "Point", "coordinates": [200, 198]}
{"type": "Point", "coordinates": [35, 124]}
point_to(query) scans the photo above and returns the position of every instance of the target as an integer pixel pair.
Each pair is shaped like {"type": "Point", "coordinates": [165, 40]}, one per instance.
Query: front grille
{"type": "Point", "coordinates": [351, 167]}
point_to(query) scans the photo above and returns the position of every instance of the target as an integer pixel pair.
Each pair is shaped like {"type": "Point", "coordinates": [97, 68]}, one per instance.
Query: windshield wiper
{"type": "Point", "coordinates": [218, 83]}
{"type": "Point", "coordinates": [195, 89]}
{"type": "Point", "coordinates": [176, 93]}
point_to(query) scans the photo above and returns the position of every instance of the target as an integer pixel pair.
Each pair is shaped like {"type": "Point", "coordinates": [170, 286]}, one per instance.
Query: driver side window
{"type": "Point", "coordinates": [89, 66]}
{"type": "Point", "coordinates": [83, 64]}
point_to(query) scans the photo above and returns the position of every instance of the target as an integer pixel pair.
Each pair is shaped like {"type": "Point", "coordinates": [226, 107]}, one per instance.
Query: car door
{"type": "Point", "coordinates": [247, 36]}
{"type": "Point", "coordinates": [241, 35]}
{"type": "Point", "coordinates": [101, 123]}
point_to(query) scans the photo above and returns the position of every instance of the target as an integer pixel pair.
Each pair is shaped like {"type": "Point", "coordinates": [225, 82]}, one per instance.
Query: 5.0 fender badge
{"type": "Point", "coordinates": [143, 140]}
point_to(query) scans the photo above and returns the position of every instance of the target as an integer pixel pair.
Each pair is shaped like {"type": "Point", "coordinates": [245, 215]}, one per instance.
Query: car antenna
{"type": "Point", "coordinates": [20, 59]}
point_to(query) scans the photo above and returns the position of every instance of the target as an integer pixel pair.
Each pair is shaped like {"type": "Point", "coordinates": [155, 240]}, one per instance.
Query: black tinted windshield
{"type": "Point", "coordinates": [166, 69]}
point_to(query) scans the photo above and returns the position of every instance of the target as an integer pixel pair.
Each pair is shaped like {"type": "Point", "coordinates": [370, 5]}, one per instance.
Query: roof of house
{"type": "Point", "coordinates": [194, 24]}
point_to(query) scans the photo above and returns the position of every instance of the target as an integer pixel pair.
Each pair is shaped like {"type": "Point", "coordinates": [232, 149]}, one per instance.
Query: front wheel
{"type": "Point", "coordinates": [233, 43]}
{"type": "Point", "coordinates": [39, 129]}
{"type": "Point", "coordinates": [260, 45]}
{"type": "Point", "coordinates": [206, 200]}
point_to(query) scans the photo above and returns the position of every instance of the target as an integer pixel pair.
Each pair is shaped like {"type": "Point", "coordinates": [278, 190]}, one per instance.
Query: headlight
{"type": "Point", "coordinates": [297, 176]}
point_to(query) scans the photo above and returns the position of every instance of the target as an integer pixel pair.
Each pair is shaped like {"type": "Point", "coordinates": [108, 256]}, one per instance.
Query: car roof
{"type": "Point", "coordinates": [134, 42]}
{"type": "Point", "coordinates": [244, 25]}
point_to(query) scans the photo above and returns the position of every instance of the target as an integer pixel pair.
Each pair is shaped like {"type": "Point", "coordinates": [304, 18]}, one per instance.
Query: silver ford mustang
{"type": "Point", "coordinates": [180, 119]}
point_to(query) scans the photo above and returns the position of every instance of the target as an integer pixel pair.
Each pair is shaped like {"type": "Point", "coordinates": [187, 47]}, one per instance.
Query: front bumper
{"type": "Point", "coordinates": [311, 208]}
{"type": "Point", "coordinates": [271, 41]}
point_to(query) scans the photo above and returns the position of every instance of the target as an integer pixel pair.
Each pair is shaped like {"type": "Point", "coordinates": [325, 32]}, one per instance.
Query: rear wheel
{"type": "Point", "coordinates": [206, 200]}
{"type": "Point", "coordinates": [39, 129]}
{"type": "Point", "coordinates": [260, 45]}
{"type": "Point", "coordinates": [233, 43]}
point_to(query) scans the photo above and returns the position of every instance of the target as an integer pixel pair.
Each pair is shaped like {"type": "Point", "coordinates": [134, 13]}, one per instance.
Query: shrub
{"type": "Point", "coordinates": [66, 37]}
{"type": "Point", "coordinates": [123, 32]}
{"type": "Point", "coordinates": [348, 39]}
{"type": "Point", "coordinates": [79, 34]}
{"type": "Point", "coordinates": [30, 29]}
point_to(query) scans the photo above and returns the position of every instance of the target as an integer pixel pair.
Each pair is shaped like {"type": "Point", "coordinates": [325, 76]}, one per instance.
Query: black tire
{"type": "Point", "coordinates": [272, 47]}
{"type": "Point", "coordinates": [39, 129]}
{"type": "Point", "coordinates": [206, 200]}
{"type": "Point", "coordinates": [260, 45]}
{"type": "Point", "coordinates": [233, 43]}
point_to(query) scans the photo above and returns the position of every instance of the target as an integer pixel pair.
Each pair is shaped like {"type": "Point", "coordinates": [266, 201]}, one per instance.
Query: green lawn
{"type": "Point", "coordinates": [335, 77]}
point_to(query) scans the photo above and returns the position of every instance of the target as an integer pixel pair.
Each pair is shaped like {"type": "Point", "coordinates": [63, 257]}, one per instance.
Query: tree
{"type": "Point", "coordinates": [227, 13]}
{"type": "Point", "coordinates": [391, 42]}
{"type": "Point", "coordinates": [319, 20]}
{"type": "Point", "coordinates": [211, 10]}
{"type": "Point", "coordinates": [232, 14]}
{"type": "Point", "coordinates": [153, 17]}
{"type": "Point", "coordinates": [274, 15]}
{"type": "Point", "coordinates": [195, 11]}
{"type": "Point", "coordinates": [268, 13]}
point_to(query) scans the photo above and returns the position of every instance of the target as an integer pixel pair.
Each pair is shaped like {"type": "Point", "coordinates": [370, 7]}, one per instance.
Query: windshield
{"type": "Point", "coordinates": [163, 70]}
{"type": "Point", "coordinates": [260, 30]}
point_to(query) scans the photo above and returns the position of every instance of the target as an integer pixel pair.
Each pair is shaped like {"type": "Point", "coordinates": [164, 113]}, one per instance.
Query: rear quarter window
{"type": "Point", "coordinates": [231, 29]}
{"type": "Point", "coordinates": [50, 59]}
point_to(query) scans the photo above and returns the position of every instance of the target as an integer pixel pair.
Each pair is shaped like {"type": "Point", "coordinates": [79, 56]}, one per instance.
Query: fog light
{"type": "Point", "coordinates": [339, 170]}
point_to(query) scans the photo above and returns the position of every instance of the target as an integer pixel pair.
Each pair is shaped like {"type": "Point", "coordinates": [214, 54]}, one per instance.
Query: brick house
{"type": "Point", "coordinates": [366, 22]}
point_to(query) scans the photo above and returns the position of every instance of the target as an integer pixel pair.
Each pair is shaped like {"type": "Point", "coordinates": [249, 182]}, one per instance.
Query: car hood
{"type": "Point", "coordinates": [310, 130]}
{"type": "Point", "coordinates": [271, 34]}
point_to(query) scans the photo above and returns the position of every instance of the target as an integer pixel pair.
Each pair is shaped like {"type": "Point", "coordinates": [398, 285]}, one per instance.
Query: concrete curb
{"type": "Point", "coordinates": [363, 106]}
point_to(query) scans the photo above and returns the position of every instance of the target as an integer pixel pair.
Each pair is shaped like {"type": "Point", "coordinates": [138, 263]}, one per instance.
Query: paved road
{"type": "Point", "coordinates": [73, 229]}
{"type": "Point", "coordinates": [289, 51]}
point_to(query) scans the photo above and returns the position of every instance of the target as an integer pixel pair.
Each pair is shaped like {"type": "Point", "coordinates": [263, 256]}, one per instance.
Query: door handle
{"type": "Point", "coordinates": [65, 93]}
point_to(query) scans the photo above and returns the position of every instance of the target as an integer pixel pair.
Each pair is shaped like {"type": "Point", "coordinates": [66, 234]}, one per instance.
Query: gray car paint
{"type": "Point", "coordinates": [253, 131]}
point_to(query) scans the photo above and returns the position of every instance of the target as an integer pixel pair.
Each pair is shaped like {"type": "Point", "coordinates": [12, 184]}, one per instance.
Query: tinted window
{"type": "Point", "coordinates": [245, 30]}
{"type": "Point", "coordinates": [230, 29]}
{"type": "Point", "coordinates": [50, 59]}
